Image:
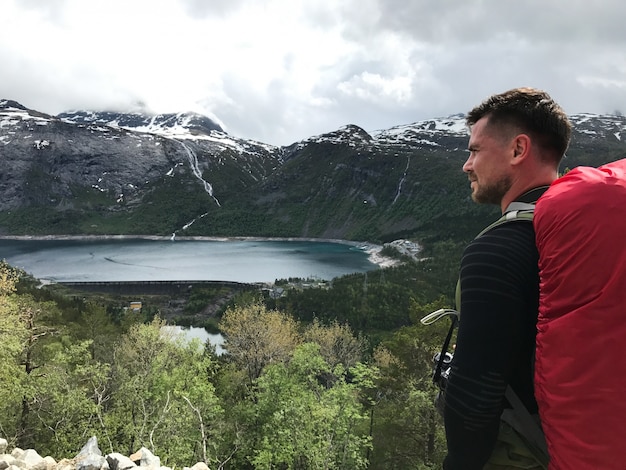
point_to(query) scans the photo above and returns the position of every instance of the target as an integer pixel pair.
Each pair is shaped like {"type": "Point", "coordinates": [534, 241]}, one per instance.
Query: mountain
{"type": "Point", "coordinates": [168, 124]}
{"type": "Point", "coordinates": [87, 172]}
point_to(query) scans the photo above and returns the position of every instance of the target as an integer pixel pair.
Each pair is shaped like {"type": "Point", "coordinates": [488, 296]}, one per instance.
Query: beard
{"type": "Point", "coordinates": [492, 193]}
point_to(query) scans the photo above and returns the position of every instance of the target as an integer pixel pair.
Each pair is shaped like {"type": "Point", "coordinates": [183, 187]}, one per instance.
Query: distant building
{"type": "Point", "coordinates": [135, 306]}
{"type": "Point", "coordinates": [277, 292]}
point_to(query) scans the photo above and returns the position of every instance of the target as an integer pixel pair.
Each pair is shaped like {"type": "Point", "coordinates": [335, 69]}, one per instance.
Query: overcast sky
{"type": "Point", "coordinates": [279, 71]}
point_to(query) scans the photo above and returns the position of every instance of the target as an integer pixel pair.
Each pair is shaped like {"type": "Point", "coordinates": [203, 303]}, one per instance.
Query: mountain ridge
{"type": "Point", "coordinates": [86, 172]}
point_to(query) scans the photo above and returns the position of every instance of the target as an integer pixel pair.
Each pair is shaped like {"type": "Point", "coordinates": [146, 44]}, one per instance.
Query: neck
{"type": "Point", "coordinates": [517, 190]}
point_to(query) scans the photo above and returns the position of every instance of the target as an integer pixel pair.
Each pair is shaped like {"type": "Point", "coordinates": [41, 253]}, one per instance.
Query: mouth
{"type": "Point", "coordinates": [473, 184]}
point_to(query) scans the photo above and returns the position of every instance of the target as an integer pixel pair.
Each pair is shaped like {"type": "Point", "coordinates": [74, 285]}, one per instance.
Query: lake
{"type": "Point", "coordinates": [192, 332]}
{"type": "Point", "coordinates": [154, 259]}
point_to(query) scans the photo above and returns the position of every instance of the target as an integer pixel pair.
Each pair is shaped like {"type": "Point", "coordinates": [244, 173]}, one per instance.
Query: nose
{"type": "Point", "coordinates": [467, 166]}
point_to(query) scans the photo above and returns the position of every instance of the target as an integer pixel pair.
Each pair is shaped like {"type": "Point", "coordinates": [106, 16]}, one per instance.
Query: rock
{"type": "Point", "coordinates": [200, 466]}
{"type": "Point", "coordinates": [6, 460]}
{"type": "Point", "coordinates": [3, 445]}
{"type": "Point", "coordinates": [91, 447]}
{"type": "Point", "coordinates": [118, 461]}
{"type": "Point", "coordinates": [50, 463]}
{"type": "Point", "coordinates": [31, 460]}
{"type": "Point", "coordinates": [93, 462]}
{"type": "Point", "coordinates": [66, 464]}
{"type": "Point", "coordinates": [144, 458]}
{"type": "Point", "coordinates": [90, 457]}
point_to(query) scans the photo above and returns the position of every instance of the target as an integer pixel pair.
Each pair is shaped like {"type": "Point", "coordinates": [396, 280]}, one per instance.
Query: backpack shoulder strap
{"type": "Point", "coordinates": [520, 419]}
{"type": "Point", "coordinates": [515, 211]}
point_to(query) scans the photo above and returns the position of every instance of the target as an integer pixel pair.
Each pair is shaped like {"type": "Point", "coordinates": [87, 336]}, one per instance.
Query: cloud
{"type": "Point", "coordinates": [282, 70]}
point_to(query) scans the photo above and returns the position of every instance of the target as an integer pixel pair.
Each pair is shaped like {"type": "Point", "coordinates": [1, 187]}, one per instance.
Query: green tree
{"type": "Point", "coordinates": [38, 320]}
{"type": "Point", "coordinates": [256, 337]}
{"type": "Point", "coordinates": [406, 428]}
{"type": "Point", "coordinates": [12, 336]}
{"type": "Point", "coordinates": [304, 423]}
{"type": "Point", "coordinates": [63, 397]}
{"type": "Point", "coordinates": [94, 324]}
{"type": "Point", "coordinates": [162, 397]}
{"type": "Point", "coordinates": [338, 345]}
{"type": "Point", "coordinates": [47, 394]}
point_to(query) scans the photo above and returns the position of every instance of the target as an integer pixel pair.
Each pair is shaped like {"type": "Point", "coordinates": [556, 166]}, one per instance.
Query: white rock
{"type": "Point", "coordinates": [118, 461]}
{"type": "Point", "coordinates": [31, 460]}
{"type": "Point", "coordinates": [144, 458]}
{"type": "Point", "coordinates": [66, 464]}
{"type": "Point", "coordinates": [200, 466]}
{"type": "Point", "coordinates": [50, 462]}
{"type": "Point", "coordinates": [6, 460]}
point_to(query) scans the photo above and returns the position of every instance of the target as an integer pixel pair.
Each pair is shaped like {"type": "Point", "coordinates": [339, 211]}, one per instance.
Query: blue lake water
{"type": "Point", "coordinates": [139, 259]}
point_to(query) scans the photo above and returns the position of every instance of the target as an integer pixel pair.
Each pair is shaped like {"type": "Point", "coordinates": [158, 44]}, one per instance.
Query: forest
{"type": "Point", "coordinates": [321, 378]}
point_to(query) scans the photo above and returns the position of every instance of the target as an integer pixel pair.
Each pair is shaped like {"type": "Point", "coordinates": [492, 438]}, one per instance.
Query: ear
{"type": "Point", "coordinates": [521, 148]}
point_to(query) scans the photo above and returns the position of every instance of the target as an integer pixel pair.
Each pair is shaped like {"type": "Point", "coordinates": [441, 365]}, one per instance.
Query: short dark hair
{"type": "Point", "coordinates": [530, 111]}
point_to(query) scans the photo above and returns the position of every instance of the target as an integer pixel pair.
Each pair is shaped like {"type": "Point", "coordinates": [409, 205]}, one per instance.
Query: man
{"type": "Point", "coordinates": [517, 141]}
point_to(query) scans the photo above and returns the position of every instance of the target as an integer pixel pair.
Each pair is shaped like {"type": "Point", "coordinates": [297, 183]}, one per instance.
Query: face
{"type": "Point", "coordinates": [487, 167]}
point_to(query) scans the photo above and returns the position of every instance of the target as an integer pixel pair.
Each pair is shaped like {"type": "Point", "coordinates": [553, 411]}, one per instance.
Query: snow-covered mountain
{"type": "Point", "coordinates": [174, 124]}
{"type": "Point", "coordinates": [111, 136]}
{"type": "Point", "coordinates": [104, 172]}
{"type": "Point", "coordinates": [430, 132]}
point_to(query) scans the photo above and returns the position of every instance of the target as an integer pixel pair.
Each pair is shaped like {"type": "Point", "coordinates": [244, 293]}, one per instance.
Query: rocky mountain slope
{"type": "Point", "coordinates": [108, 173]}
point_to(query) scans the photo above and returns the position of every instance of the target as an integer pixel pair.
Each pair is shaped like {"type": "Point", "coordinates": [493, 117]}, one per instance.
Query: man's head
{"type": "Point", "coordinates": [517, 141]}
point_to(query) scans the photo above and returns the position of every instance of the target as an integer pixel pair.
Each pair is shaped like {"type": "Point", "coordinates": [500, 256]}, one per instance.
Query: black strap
{"type": "Point", "coordinates": [444, 349]}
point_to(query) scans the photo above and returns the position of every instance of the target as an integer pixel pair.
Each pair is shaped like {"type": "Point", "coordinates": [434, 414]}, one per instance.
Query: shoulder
{"type": "Point", "coordinates": [508, 236]}
{"type": "Point", "coordinates": [507, 247]}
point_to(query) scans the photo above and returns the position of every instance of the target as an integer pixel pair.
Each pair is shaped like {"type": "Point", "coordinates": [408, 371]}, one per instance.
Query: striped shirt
{"type": "Point", "coordinates": [496, 340]}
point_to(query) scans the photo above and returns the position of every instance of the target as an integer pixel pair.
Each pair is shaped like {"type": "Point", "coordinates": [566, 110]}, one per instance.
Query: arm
{"type": "Point", "coordinates": [497, 273]}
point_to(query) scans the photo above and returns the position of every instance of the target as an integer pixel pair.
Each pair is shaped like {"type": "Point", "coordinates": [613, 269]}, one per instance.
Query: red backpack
{"type": "Point", "coordinates": [580, 369]}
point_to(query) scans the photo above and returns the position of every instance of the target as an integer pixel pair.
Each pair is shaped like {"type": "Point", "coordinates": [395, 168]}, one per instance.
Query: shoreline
{"type": "Point", "coordinates": [373, 250]}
